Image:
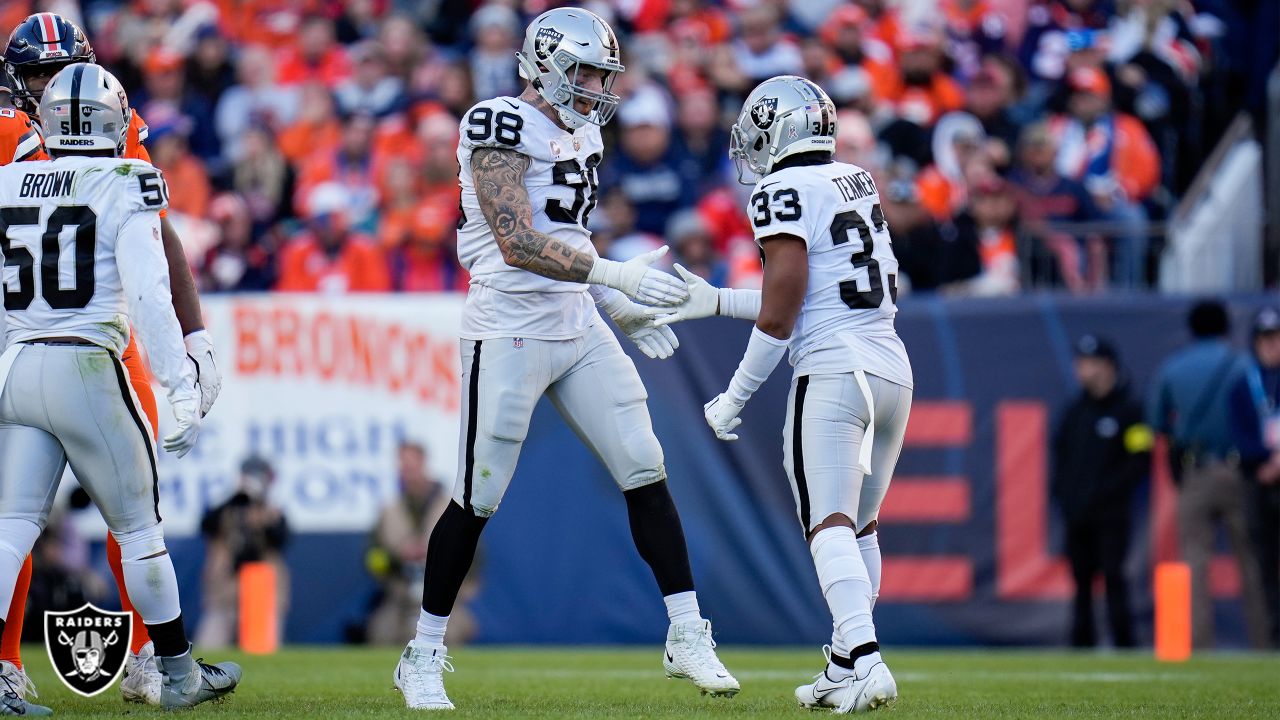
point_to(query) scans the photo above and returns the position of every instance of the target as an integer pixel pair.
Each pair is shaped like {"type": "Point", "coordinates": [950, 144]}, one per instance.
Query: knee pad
{"type": "Point", "coordinates": [141, 544]}
{"type": "Point", "coordinates": [836, 557]}
{"type": "Point", "coordinates": [17, 537]}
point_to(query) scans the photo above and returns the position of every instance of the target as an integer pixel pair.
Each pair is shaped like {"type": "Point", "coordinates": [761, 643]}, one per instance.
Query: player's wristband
{"type": "Point", "coordinates": [608, 299]}
{"type": "Point", "coordinates": [740, 304]}
{"type": "Point", "coordinates": [763, 354]}
{"type": "Point", "coordinates": [605, 272]}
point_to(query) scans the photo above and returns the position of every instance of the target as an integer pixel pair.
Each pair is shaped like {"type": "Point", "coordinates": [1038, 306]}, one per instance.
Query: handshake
{"type": "Point", "coordinates": [647, 300]}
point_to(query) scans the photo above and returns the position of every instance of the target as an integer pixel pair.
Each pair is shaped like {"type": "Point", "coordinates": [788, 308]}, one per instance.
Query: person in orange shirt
{"type": "Point", "coordinates": [168, 136]}
{"type": "Point", "coordinates": [315, 57]}
{"type": "Point", "coordinates": [924, 91]}
{"type": "Point", "coordinates": [1112, 154]}
{"type": "Point", "coordinates": [328, 257]}
{"type": "Point", "coordinates": [846, 32]}
{"type": "Point", "coordinates": [38, 48]}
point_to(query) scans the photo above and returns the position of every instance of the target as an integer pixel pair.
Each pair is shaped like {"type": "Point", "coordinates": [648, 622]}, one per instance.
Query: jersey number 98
{"type": "Point", "coordinates": [503, 126]}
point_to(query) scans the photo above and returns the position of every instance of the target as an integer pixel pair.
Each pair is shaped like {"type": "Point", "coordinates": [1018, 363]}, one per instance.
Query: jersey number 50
{"type": "Point", "coordinates": [85, 221]}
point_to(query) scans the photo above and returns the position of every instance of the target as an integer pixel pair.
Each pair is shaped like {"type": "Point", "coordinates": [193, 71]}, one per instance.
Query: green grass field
{"type": "Point", "coordinates": [629, 683]}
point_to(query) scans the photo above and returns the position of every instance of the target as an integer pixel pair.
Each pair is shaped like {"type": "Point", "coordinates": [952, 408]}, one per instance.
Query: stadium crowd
{"type": "Point", "coordinates": [309, 144]}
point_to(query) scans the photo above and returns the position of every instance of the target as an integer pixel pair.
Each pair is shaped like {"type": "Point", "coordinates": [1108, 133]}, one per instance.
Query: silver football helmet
{"type": "Point", "coordinates": [783, 116]}
{"type": "Point", "coordinates": [83, 108]}
{"type": "Point", "coordinates": [556, 46]}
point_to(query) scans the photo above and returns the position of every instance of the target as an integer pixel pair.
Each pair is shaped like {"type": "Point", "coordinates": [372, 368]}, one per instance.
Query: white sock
{"type": "Point", "coordinates": [431, 629]}
{"type": "Point", "coordinates": [682, 607]}
{"type": "Point", "coordinates": [869, 546]}
{"type": "Point", "coordinates": [17, 537]}
{"type": "Point", "coordinates": [153, 588]}
{"type": "Point", "coordinates": [845, 585]}
{"type": "Point", "coordinates": [864, 664]}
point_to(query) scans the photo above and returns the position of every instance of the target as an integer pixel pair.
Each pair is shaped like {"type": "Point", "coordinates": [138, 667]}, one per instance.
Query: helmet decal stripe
{"type": "Point", "coordinates": [49, 29]}
{"type": "Point", "coordinates": [76, 78]}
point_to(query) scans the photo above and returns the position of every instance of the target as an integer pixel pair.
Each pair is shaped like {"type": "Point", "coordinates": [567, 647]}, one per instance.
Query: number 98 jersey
{"type": "Point", "coordinates": [561, 180]}
{"type": "Point", "coordinates": [60, 221]}
{"type": "Point", "coordinates": [846, 321]}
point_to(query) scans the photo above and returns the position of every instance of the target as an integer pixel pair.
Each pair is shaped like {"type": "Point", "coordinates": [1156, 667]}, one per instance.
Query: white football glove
{"type": "Point", "coordinates": [656, 342]}
{"type": "Point", "coordinates": [186, 410]}
{"type": "Point", "coordinates": [638, 281]}
{"type": "Point", "coordinates": [722, 415]}
{"type": "Point", "coordinates": [200, 350]}
{"type": "Point", "coordinates": [702, 302]}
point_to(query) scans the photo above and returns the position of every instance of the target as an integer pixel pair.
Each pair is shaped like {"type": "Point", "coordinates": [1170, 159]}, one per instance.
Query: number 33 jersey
{"type": "Point", "coordinates": [561, 180]}
{"type": "Point", "coordinates": [846, 321]}
{"type": "Point", "coordinates": [60, 226]}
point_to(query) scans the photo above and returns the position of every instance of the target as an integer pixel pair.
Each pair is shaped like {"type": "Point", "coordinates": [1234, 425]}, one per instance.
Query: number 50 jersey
{"type": "Point", "coordinates": [846, 321]}
{"type": "Point", "coordinates": [59, 225]}
{"type": "Point", "coordinates": [561, 180]}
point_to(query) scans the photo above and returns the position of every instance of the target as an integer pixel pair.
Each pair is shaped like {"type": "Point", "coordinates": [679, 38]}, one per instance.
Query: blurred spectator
{"type": "Point", "coordinates": [497, 33]}
{"type": "Point", "coordinates": [646, 166]}
{"type": "Point", "coordinates": [617, 236]}
{"type": "Point", "coordinates": [701, 142]}
{"type": "Point", "coordinates": [689, 236]}
{"type": "Point", "coordinates": [992, 93]}
{"type": "Point", "coordinates": [315, 56]}
{"type": "Point", "coordinates": [263, 178]}
{"type": "Point", "coordinates": [1055, 29]}
{"type": "Point", "coordinates": [989, 225]}
{"type": "Point", "coordinates": [1188, 404]}
{"type": "Point", "coordinates": [1047, 199]}
{"type": "Point", "coordinates": [316, 129]}
{"type": "Point", "coordinates": [925, 92]}
{"type": "Point", "coordinates": [164, 84]}
{"type": "Point", "coordinates": [235, 263]}
{"type": "Point", "coordinates": [1255, 425]}
{"type": "Point", "coordinates": [359, 20]}
{"type": "Point", "coordinates": [846, 31]}
{"type": "Point", "coordinates": [958, 142]}
{"type": "Point", "coordinates": [760, 52]}
{"type": "Point", "coordinates": [1113, 156]}
{"type": "Point", "coordinates": [403, 47]}
{"type": "Point", "coordinates": [398, 549]}
{"type": "Point", "coordinates": [183, 171]}
{"type": "Point", "coordinates": [929, 256]}
{"type": "Point", "coordinates": [883, 23]}
{"type": "Point", "coordinates": [350, 165]}
{"type": "Point", "coordinates": [256, 99]}
{"type": "Point", "coordinates": [974, 29]}
{"type": "Point", "coordinates": [208, 68]}
{"type": "Point", "coordinates": [856, 144]}
{"type": "Point", "coordinates": [370, 88]}
{"type": "Point", "coordinates": [247, 528]}
{"type": "Point", "coordinates": [1101, 452]}
{"type": "Point", "coordinates": [328, 256]}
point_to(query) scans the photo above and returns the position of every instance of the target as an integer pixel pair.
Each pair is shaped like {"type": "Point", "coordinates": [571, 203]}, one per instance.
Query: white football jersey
{"type": "Point", "coordinates": [506, 301]}
{"type": "Point", "coordinates": [846, 321]}
{"type": "Point", "coordinates": [59, 226]}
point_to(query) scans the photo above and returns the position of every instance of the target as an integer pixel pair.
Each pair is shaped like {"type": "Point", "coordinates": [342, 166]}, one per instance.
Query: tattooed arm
{"type": "Point", "coordinates": [498, 176]}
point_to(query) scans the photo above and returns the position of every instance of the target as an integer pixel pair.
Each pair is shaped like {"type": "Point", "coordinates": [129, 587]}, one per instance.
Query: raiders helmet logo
{"type": "Point", "coordinates": [763, 112]}
{"type": "Point", "coordinates": [546, 42]}
{"type": "Point", "coordinates": [88, 646]}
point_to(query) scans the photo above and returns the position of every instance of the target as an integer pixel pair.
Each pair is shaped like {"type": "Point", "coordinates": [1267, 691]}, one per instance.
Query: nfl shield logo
{"type": "Point", "coordinates": [517, 343]}
{"type": "Point", "coordinates": [87, 646]}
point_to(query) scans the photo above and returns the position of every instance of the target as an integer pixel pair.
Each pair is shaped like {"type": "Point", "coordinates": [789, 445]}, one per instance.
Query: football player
{"type": "Point", "coordinates": [531, 328]}
{"type": "Point", "coordinates": [828, 296]}
{"type": "Point", "coordinates": [39, 46]}
{"type": "Point", "coordinates": [89, 221]}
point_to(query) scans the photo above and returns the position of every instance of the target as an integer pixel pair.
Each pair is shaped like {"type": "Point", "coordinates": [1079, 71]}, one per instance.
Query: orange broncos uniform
{"type": "Point", "coordinates": [20, 140]}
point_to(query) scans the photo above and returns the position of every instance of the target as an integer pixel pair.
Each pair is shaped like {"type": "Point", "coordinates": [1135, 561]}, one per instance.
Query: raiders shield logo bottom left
{"type": "Point", "coordinates": [88, 646]}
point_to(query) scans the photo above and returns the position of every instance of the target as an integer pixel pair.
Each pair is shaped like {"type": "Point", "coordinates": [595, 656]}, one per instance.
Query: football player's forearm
{"type": "Point", "coordinates": [182, 286]}
{"type": "Point", "coordinates": [499, 181]}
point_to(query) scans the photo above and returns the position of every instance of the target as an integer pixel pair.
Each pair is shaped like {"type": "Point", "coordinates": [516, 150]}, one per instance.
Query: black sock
{"type": "Point", "coordinates": [449, 554]}
{"type": "Point", "coordinates": [169, 638]}
{"type": "Point", "coordinates": [656, 530]}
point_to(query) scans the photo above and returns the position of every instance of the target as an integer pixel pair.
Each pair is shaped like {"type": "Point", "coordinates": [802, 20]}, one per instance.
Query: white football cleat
{"type": "Point", "coordinates": [872, 691]}
{"type": "Point", "coordinates": [16, 680]}
{"type": "Point", "coordinates": [691, 655]}
{"type": "Point", "coordinates": [142, 679]}
{"type": "Point", "coordinates": [419, 677]}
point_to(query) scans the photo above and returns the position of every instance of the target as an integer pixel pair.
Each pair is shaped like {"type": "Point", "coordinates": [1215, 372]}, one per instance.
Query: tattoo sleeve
{"type": "Point", "coordinates": [498, 176]}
